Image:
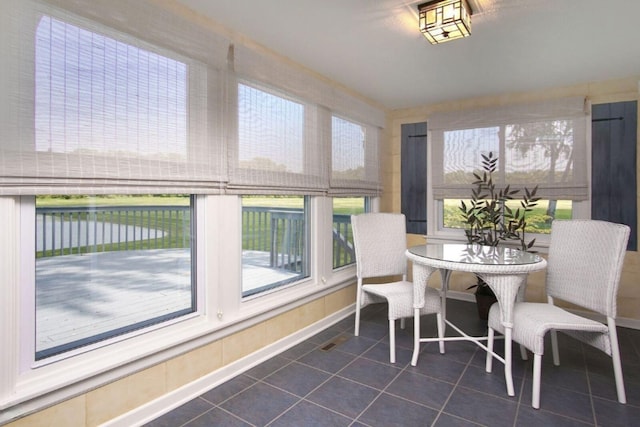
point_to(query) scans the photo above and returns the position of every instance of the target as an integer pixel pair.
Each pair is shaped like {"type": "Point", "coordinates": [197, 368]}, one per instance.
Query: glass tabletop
{"type": "Point", "coordinates": [475, 254]}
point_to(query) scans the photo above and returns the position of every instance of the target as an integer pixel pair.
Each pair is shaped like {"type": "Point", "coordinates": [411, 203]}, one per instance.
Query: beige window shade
{"type": "Point", "coordinates": [354, 157]}
{"type": "Point", "coordinates": [283, 141]}
{"type": "Point", "coordinates": [543, 144]}
{"type": "Point", "coordinates": [105, 96]}
{"type": "Point", "coordinates": [100, 110]}
{"type": "Point", "coordinates": [278, 147]}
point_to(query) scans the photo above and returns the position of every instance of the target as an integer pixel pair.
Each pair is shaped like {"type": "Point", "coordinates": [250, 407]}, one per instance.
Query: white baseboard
{"type": "Point", "coordinates": [167, 402]}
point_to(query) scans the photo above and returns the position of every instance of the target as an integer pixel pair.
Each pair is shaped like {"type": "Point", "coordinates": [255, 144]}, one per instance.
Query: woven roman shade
{"type": "Point", "coordinates": [135, 97]}
{"type": "Point", "coordinates": [542, 144]}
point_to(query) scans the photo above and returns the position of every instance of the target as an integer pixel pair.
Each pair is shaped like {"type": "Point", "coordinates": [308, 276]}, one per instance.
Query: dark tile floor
{"type": "Point", "coordinates": [353, 383]}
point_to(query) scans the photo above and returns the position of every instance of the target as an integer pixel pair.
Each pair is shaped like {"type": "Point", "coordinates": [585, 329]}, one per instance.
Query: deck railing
{"type": "Point", "coordinates": [78, 230]}
{"type": "Point", "coordinates": [86, 229]}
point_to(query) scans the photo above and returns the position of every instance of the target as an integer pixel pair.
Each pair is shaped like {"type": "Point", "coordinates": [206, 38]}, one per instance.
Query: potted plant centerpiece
{"type": "Point", "coordinates": [490, 221]}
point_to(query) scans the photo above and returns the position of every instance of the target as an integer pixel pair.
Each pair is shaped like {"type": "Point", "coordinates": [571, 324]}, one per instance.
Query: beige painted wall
{"type": "Point", "coordinates": [107, 402]}
{"type": "Point", "coordinates": [597, 93]}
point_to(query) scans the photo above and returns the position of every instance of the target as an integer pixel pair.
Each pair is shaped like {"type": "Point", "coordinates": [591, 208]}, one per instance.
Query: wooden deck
{"type": "Point", "coordinates": [81, 296]}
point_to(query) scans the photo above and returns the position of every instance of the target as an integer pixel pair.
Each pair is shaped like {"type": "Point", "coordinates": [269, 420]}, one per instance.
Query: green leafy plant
{"type": "Point", "coordinates": [489, 220]}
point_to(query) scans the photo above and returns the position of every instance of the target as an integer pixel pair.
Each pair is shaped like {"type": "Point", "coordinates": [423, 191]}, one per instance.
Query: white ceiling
{"type": "Point", "coordinates": [375, 48]}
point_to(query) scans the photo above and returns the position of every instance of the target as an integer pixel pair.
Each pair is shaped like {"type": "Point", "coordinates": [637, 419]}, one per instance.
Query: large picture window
{"type": "Point", "coordinates": [108, 112]}
{"type": "Point", "coordinates": [539, 145]}
{"type": "Point", "coordinates": [126, 142]}
{"type": "Point", "coordinates": [109, 265]}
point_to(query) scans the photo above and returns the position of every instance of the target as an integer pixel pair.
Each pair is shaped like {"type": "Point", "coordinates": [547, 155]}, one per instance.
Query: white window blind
{"type": "Point", "coordinates": [354, 157]}
{"type": "Point", "coordinates": [102, 111]}
{"type": "Point", "coordinates": [143, 97]}
{"type": "Point", "coordinates": [541, 144]}
{"type": "Point", "coordinates": [278, 149]}
{"type": "Point", "coordinates": [286, 112]}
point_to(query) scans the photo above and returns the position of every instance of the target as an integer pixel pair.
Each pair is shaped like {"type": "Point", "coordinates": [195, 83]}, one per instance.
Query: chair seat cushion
{"type": "Point", "coordinates": [531, 321]}
{"type": "Point", "coordinates": [400, 298]}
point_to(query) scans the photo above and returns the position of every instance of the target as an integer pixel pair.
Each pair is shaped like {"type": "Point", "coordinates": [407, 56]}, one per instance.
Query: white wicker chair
{"type": "Point", "coordinates": [380, 241]}
{"type": "Point", "coordinates": [584, 266]}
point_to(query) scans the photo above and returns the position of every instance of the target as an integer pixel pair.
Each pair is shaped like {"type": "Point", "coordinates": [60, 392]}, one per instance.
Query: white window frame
{"type": "Point", "coordinates": [108, 359]}
{"type": "Point", "coordinates": [220, 308]}
{"type": "Point", "coordinates": [27, 214]}
{"type": "Point", "coordinates": [307, 257]}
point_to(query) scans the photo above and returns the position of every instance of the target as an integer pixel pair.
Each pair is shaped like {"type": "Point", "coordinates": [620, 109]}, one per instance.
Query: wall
{"type": "Point", "coordinates": [597, 93]}
{"type": "Point", "coordinates": [112, 400]}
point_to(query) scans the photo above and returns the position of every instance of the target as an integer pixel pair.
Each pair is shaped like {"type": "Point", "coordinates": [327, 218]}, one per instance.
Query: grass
{"type": "Point", "coordinates": [117, 200]}
{"type": "Point", "coordinates": [537, 220]}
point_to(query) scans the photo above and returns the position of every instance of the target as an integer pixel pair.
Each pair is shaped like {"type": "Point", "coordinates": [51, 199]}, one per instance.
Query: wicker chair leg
{"type": "Point", "coordinates": [615, 357]}
{"type": "Point", "coordinates": [554, 347]}
{"type": "Point", "coordinates": [508, 375]}
{"type": "Point", "coordinates": [523, 352]}
{"type": "Point", "coordinates": [537, 371]}
{"type": "Point", "coordinates": [392, 341]}
{"type": "Point", "coordinates": [356, 331]}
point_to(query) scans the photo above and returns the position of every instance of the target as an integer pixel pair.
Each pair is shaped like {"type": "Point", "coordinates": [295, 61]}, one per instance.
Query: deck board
{"type": "Point", "coordinates": [79, 296]}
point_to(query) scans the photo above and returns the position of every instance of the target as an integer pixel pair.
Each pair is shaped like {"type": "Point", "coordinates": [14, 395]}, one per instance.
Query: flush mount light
{"type": "Point", "coordinates": [444, 20]}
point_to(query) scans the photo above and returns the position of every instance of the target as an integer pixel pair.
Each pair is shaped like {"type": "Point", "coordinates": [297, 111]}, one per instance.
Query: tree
{"type": "Point", "coordinates": [555, 138]}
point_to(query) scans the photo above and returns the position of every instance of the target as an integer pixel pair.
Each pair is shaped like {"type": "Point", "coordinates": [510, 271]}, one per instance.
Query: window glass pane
{"type": "Point", "coordinates": [108, 265]}
{"type": "Point", "coordinates": [270, 131]}
{"type": "Point", "coordinates": [343, 208]}
{"type": "Point", "coordinates": [348, 149]}
{"type": "Point", "coordinates": [96, 94]}
{"type": "Point", "coordinates": [539, 152]}
{"type": "Point", "coordinates": [538, 220]}
{"type": "Point", "coordinates": [274, 242]}
{"type": "Point", "coordinates": [463, 150]}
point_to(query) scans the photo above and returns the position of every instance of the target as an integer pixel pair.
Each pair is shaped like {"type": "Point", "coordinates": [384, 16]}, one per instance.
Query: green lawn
{"type": "Point", "coordinates": [119, 200]}
{"type": "Point", "coordinates": [537, 220]}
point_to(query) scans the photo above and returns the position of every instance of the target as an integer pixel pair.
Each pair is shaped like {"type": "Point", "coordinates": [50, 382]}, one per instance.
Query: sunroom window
{"type": "Point", "coordinates": [538, 145]}
{"type": "Point", "coordinates": [109, 265]}
{"type": "Point", "coordinates": [354, 165]}
{"type": "Point", "coordinates": [275, 242]}
{"type": "Point", "coordinates": [342, 241]}
{"type": "Point", "coordinates": [111, 120]}
{"type": "Point", "coordinates": [538, 220]}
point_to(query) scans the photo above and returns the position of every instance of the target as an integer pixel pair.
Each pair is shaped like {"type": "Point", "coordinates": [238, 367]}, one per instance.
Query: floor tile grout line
{"type": "Point", "coordinates": [587, 369]}
{"type": "Point", "coordinates": [381, 392]}
{"type": "Point", "coordinates": [453, 389]}
{"type": "Point", "coordinates": [230, 397]}
{"type": "Point", "coordinates": [236, 416]}
{"type": "Point", "coordinates": [304, 398]}
{"type": "Point", "coordinates": [198, 416]}
{"type": "Point", "coordinates": [520, 395]}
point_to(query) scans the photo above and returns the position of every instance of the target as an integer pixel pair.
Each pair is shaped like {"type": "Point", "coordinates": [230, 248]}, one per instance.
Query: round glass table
{"type": "Point", "coordinates": [504, 269]}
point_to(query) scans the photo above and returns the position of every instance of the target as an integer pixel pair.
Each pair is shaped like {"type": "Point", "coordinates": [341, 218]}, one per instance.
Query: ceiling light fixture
{"type": "Point", "coordinates": [444, 20]}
